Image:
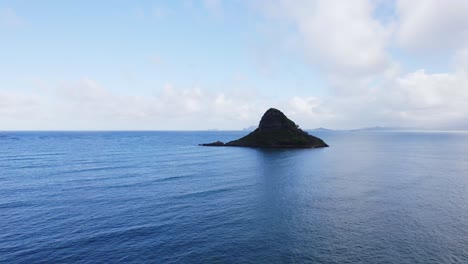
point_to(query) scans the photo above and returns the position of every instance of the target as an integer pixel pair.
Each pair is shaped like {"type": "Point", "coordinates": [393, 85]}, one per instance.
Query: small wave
{"type": "Point", "coordinates": [96, 169]}
{"type": "Point", "coordinates": [149, 182]}
{"type": "Point", "coordinates": [207, 193]}
{"type": "Point", "coordinates": [14, 204]}
{"type": "Point", "coordinates": [175, 178]}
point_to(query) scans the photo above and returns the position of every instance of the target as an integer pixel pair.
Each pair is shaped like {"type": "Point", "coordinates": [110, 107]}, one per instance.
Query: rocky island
{"type": "Point", "coordinates": [274, 131]}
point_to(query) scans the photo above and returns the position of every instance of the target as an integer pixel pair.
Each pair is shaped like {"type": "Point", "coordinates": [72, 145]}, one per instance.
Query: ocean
{"type": "Point", "coordinates": [158, 197]}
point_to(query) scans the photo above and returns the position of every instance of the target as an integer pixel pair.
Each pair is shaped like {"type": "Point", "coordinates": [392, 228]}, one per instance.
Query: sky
{"type": "Point", "coordinates": [213, 64]}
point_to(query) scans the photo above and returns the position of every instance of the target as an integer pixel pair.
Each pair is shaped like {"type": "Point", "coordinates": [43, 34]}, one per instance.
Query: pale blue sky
{"type": "Point", "coordinates": [149, 42]}
{"type": "Point", "coordinates": [204, 64]}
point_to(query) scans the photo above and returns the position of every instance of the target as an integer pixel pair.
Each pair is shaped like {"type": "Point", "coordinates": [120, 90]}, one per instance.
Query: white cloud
{"type": "Point", "coordinates": [85, 104]}
{"type": "Point", "coordinates": [433, 99]}
{"type": "Point", "coordinates": [432, 25]}
{"type": "Point", "coordinates": [18, 104]}
{"type": "Point", "coordinates": [341, 37]}
{"type": "Point", "coordinates": [418, 99]}
{"type": "Point", "coordinates": [461, 59]}
{"type": "Point", "coordinates": [350, 45]}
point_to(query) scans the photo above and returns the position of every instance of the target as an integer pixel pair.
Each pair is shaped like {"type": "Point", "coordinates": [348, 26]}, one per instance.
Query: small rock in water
{"type": "Point", "coordinates": [214, 144]}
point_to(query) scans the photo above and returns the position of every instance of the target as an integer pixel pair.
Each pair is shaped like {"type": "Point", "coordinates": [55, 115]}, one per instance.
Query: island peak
{"type": "Point", "coordinates": [275, 119]}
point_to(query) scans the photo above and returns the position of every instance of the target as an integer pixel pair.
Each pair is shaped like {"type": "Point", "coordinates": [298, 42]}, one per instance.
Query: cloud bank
{"type": "Point", "coordinates": [85, 104]}
{"type": "Point", "coordinates": [360, 55]}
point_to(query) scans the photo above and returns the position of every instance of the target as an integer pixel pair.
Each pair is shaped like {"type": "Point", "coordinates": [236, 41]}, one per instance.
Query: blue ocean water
{"type": "Point", "coordinates": [157, 197]}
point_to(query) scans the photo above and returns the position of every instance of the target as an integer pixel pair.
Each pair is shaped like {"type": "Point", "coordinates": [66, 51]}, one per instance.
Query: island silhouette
{"type": "Point", "coordinates": [275, 130]}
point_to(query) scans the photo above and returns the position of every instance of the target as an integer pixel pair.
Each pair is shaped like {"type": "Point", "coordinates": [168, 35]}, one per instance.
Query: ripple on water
{"type": "Point", "coordinates": [109, 197]}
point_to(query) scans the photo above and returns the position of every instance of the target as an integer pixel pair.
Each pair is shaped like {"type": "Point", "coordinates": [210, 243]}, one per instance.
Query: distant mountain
{"type": "Point", "coordinates": [383, 129]}
{"type": "Point", "coordinates": [250, 128]}
{"type": "Point", "coordinates": [365, 129]}
{"type": "Point", "coordinates": [321, 129]}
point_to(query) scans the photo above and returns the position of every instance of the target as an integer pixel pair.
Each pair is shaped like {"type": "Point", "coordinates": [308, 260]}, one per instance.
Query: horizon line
{"type": "Point", "coordinates": [230, 130]}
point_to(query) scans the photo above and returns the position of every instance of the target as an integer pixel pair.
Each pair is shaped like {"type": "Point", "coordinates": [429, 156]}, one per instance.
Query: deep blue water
{"type": "Point", "coordinates": [157, 197]}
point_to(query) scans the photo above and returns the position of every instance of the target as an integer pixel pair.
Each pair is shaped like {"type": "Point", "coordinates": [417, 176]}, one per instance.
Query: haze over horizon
{"type": "Point", "coordinates": [195, 65]}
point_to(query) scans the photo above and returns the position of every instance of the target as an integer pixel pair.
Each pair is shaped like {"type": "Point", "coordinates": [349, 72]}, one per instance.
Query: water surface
{"type": "Point", "coordinates": [109, 197]}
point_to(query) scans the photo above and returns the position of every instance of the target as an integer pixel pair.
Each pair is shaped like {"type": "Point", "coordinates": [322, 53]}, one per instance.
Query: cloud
{"type": "Point", "coordinates": [309, 110]}
{"type": "Point", "coordinates": [349, 42]}
{"type": "Point", "coordinates": [15, 104]}
{"type": "Point", "coordinates": [432, 25]}
{"type": "Point", "coordinates": [417, 99]}
{"type": "Point", "coordinates": [341, 37]}
{"type": "Point", "coordinates": [434, 100]}
{"type": "Point", "coordinates": [346, 41]}
{"type": "Point", "coordinates": [86, 104]}
{"type": "Point", "coordinates": [9, 18]}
